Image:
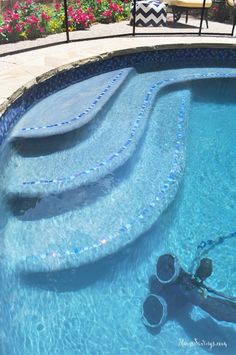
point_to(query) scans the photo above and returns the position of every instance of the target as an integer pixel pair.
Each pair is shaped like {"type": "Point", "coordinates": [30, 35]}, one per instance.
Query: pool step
{"type": "Point", "coordinates": [67, 230]}
{"type": "Point", "coordinates": [70, 108]}
{"type": "Point", "coordinates": [86, 155]}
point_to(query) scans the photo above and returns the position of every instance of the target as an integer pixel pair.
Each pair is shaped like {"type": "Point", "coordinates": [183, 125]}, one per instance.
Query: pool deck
{"type": "Point", "coordinates": [22, 70]}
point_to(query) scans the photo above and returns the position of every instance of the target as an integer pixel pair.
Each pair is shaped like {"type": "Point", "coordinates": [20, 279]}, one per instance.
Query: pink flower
{"type": "Point", "coordinates": [29, 2]}
{"type": "Point", "coordinates": [9, 29]}
{"type": "Point", "coordinates": [41, 29]}
{"type": "Point", "coordinates": [91, 16]}
{"type": "Point", "coordinates": [107, 13]}
{"type": "Point", "coordinates": [18, 27]}
{"type": "Point", "coordinates": [57, 7]}
{"type": "Point", "coordinates": [15, 16]}
{"type": "Point", "coordinates": [45, 16]}
{"type": "Point", "coordinates": [16, 6]}
{"type": "Point", "coordinates": [32, 19]}
{"type": "Point", "coordinates": [70, 9]}
{"type": "Point", "coordinates": [114, 7]}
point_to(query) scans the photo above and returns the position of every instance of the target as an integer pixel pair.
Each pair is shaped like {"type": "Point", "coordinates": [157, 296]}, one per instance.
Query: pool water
{"type": "Point", "coordinates": [96, 308]}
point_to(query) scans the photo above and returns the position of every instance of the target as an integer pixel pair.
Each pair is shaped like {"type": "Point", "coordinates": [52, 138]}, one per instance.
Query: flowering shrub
{"type": "Point", "coordinates": [28, 19]}
{"type": "Point", "coordinates": [107, 11]}
{"type": "Point", "coordinates": [79, 17]}
{"type": "Point", "coordinates": [25, 20]}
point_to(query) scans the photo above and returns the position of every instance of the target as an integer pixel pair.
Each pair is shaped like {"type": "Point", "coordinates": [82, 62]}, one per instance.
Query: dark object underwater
{"type": "Point", "coordinates": [176, 288]}
{"type": "Point", "coordinates": [204, 270]}
{"type": "Point", "coordinates": [156, 308]}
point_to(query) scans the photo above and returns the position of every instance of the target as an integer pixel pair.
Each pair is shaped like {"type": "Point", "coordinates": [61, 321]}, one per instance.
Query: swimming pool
{"type": "Point", "coordinates": [96, 308]}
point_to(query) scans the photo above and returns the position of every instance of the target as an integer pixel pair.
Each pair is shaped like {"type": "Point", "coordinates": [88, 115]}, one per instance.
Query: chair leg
{"type": "Point", "coordinates": [176, 15]}
{"type": "Point", "coordinates": [234, 23]}
{"type": "Point", "coordinates": [186, 19]}
{"type": "Point", "coordinates": [206, 17]}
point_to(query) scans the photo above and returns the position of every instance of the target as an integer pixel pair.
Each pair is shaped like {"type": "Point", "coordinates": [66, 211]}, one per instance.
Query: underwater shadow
{"type": "Point", "coordinates": [205, 333]}
{"type": "Point", "coordinates": [34, 208]}
{"type": "Point", "coordinates": [74, 279]}
{"type": "Point", "coordinates": [209, 330]}
{"type": "Point", "coordinates": [70, 280]}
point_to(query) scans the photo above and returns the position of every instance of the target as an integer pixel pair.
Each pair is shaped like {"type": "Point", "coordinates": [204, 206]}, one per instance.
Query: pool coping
{"type": "Point", "coordinates": [100, 57]}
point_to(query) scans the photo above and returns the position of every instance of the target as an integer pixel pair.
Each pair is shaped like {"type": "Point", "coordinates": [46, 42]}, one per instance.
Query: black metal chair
{"type": "Point", "coordinates": [184, 6]}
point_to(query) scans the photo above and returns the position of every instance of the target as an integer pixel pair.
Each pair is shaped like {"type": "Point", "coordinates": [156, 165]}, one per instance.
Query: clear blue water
{"type": "Point", "coordinates": [95, 309]}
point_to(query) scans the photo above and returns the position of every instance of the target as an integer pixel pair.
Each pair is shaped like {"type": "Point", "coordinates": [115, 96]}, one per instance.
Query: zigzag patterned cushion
{"type": "Point", "coordinates": [149, 13]}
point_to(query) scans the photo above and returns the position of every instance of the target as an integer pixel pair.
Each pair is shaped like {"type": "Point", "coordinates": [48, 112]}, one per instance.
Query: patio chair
{"type": "Point", "coordinates": [183, 6]}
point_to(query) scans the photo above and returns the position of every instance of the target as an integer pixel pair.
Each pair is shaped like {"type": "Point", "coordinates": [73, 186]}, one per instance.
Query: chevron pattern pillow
{"type": "Point", "coordinates": [149, 13]}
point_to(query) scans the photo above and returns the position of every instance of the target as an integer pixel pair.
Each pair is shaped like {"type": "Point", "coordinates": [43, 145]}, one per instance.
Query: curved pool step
{"type": "Point", "coordinates": [117, 209]}
{"type": "Point", "coordinates": [70, 108]}
{"type": "Point", "coordinates": [103, 145]}
{"type": "Point", "coordinates": [91, 159]}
